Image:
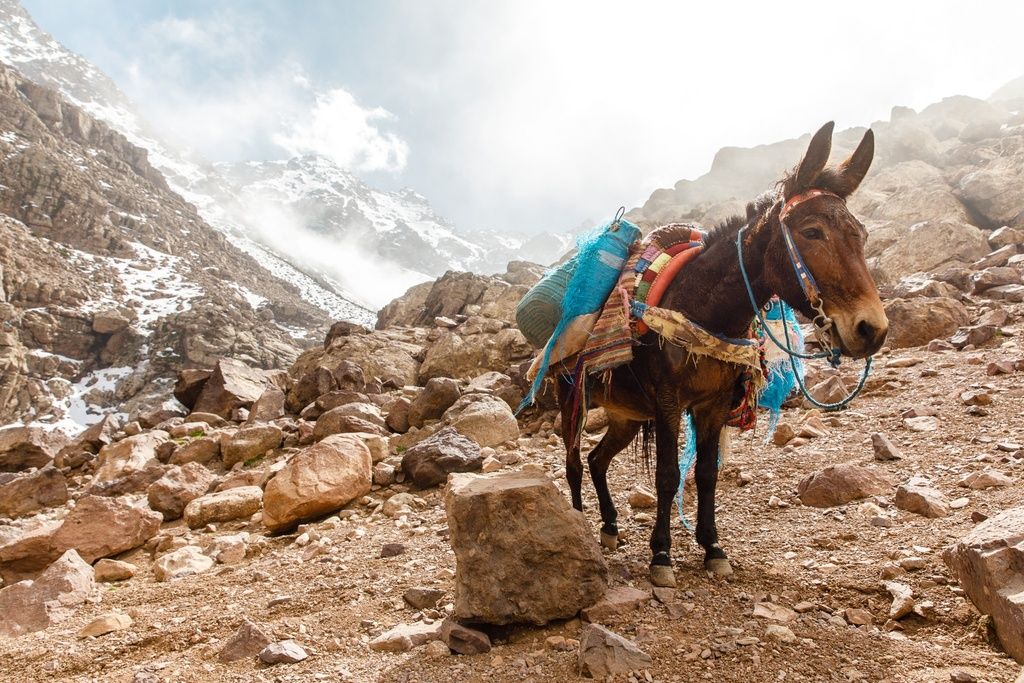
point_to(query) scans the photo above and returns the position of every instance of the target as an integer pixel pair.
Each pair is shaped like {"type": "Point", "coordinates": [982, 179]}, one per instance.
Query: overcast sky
{"type": "Point", "coordinates": [528, 114]}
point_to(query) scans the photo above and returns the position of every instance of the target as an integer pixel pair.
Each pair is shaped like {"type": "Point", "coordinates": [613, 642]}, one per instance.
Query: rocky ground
{"type": "Point", "coordinates": [809, 600]}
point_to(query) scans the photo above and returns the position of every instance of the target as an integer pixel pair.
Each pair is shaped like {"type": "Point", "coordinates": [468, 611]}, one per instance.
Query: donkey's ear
{"type": "Point", "coordinates": [852, 171]}
{"type": "Point", "coordinates": [815, 158]}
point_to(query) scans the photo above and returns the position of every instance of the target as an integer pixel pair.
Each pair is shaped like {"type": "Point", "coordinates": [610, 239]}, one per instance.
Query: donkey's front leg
{"type": "Point", "coordinates": [709, 425]}
{"type": "Point", "coordinates": [666, 476]}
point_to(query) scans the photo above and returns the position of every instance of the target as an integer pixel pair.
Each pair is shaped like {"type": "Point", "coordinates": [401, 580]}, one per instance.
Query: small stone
{"type": "Point", "coordinates": [616, 601]}
{"type": "Point", "coordinates": [641, 497]}
{"type": "Point", "coordinates": [283, 652]}
{"type": "Point", "coordinates": [804, 607]}
{"type": "Point", "coordinates": [405, 637]}
{"type": "Point", "coordinates": [491, 464]}
{"type": "Point", "coordinates": [784, 433]}
{"type": "Point", "coordinates": [107, 570]}
{"type": "Point", "coordinates": [884, 448]}
{"type": "Point", "coordinates": [773, 612]}
{"type": "Point", "coordinates": [958, 503]}
{"type": "Point", "coordinates": [391, 550]}
{"type": "Point", "coordinates": [664, 594]}
{"type": "Point", "coordinates": [962, 677]}
{"type": "Point", "coordinates": [976, 398]}
{"type": "Point", "coordinates": [923, 500]}
{"type": "Point", "coordinates": [902, 599]}
{"type": "Point", "coordinates": [182, 562]}
{"type": "Point", "coordinates": [859, 617]}
{"type": "Point", "coordinates": [423, 598]}
{"type": "Point", "coordinates": [108, 623]}
{"type": "Point", "coordinates": [925, 423]}
{"type": "Point", "coordinates": [985, 479]}
{"type": "Point", "coordinates": [557, 643]}
{"type": "Point", "coordinates": [435, 649]}
{"type": "Point", "coordinates": [779, 633]}
{"type": "Point", "coordinates": [464, 640]}
{"type": "Point", "coordinates": [604, 653]}
{"type": "Point", "coordinates": [247, 642]}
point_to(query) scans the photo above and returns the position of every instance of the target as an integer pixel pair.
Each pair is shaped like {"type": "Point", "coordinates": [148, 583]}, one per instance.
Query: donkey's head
{"type": "Point", "coordinates": [830, 242]}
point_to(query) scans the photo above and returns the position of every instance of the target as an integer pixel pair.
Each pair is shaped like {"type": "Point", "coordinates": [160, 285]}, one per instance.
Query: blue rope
{"type": "Point", "coordinates": [833, 355]}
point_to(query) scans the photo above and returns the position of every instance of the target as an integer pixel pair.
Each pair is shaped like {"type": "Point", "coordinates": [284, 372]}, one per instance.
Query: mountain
{"type": "Point", "coordinates": [942, 180]}
{"type": "Point", "coordinates": [306, 220]}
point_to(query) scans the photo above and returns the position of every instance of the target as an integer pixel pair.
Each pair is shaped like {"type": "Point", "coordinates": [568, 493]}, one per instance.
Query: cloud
{"type": "Point", "coordinates": [339, 128]}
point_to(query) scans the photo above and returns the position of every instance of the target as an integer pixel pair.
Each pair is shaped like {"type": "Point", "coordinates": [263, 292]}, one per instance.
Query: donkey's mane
{"type": "Point", "coordinates": [728, 228]}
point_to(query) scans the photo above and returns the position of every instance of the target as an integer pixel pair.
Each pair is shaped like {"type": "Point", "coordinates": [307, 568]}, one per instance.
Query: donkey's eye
{"type": "Point", "coordinates": [813, 233]}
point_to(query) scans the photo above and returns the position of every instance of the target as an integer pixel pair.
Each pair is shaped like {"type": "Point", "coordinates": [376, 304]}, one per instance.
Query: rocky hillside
{"type": "Point", "coordinates": [942, 180]}
{"type": "Point", "coordinates": [111, 282]}
{"type": "Point", "coordinates": [300, 519]}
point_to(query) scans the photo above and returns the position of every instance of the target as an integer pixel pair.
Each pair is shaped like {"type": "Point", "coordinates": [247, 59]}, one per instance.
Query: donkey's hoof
{"type": "Point", "coordinates": [719, 566]}
{"type": "Point", "coordinates": [610, 541]}
{"type": "Point", "coordinates": [662, 576]}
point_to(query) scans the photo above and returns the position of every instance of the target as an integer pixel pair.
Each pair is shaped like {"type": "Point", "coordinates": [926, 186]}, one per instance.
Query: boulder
{"type": "Point", "coordinates": [129, 464]}
{"type": "Point", "coordinates": [23, 494]}
{"type": "Point", "coordinates": [178, 487]}
{"type": "Point", "coordinates": [915, 322]}
{"type": "Point", "coordinates": [841, 484]}
{"type": "Point", "coordinates": [605, 655]}
{"type": "Point", "coordinates": [32, 605]}
{"type": "Point", "coordinates": [110, 321]}
{"type": "Point", "coordinates": [910, 248]}
{"type": "Point", "coordinates": [996, 276]}
{"type": "Point", "coordinates": [202, 450]}
{"type": "Point", "coordinates": [249, 442]}
{"type": "Point", "coordinates": [499, 384]}
{"type": "Point", "coordinates": [397, 419]}
{"type": "Point", "coordinates": [921, 499]}
{"type": "Point", "coordinates": [437, 396]}
{"type": "Point", "coordinates": [987, 563]}
{"type": "Point", "coordinates": [315, 382]}
{"type": "Point", "coordinates": [269, 406]}
{"type": "Point", "coordinates": [485, 419]}
{"type": "Point", "coordinates": [994, 191]}
{"type": "Point", "coordinates": [190, 384]}
{"type": "Point", "coordinates": [232, 384]}
{"type": "Point", "coordinates": [223, 506]}
{"type": "Point", "coordinates": [24, 447]}
{"type": "Point", "coordinates": [96, 527]}
{"type": "Point", "coordinates": [429, 462]}
{"type": "Point", "coordinates": [340, 420]}
{"type": "Point", "coordinates": [522, 553]}
{"type": "Point", "coordinates": [317, 481]}
{"type": "Point", "coordinates": [381, 356]}
{"type": "Point", "coordinates": [184, 561]}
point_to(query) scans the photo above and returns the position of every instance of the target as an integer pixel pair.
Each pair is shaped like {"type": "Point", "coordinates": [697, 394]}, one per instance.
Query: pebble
{"type": "Point", "coordinates": [283, 652]}
{"type": "Point", "coordinates": [779, 633]}
{"type": "Point", "coordinates": [884, 448]}
{"type": "Point", "coordinates": [641, 497]}
{"type": "Point", "coordinates": [391, 550]}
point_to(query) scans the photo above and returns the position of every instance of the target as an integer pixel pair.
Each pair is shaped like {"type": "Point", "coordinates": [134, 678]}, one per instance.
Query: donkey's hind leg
{"type": "Point", "coordinates": [573, 463]}
{"type": "Point", "coordinates": [619, 435]}
{"type": "Point", "coordinates": [709, 424]}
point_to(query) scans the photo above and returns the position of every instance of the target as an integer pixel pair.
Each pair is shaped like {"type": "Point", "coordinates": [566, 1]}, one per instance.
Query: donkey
{"type": "Point", "coordinates": [664, 380]}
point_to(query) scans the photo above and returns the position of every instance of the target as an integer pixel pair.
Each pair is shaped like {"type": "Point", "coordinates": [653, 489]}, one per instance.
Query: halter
{"type": "Point", "coordinates": [823, 325]}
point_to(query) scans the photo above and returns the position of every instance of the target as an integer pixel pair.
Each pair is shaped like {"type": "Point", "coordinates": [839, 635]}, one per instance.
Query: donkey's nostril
{"type": "Point", "coordinates": [867, 331]}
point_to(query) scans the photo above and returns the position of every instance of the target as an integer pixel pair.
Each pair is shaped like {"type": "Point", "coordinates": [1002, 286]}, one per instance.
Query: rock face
{"type": "Point", "coordinates": [604, 654]}
{"type": "Point", "coordinates": [97, 527]}
{"type": "Point", "coordinates": [841, 484]}
{"type": "Point", "coordinates": [988, 563]}
{"type": "Point", "coordinates": [522, 553]}
{"type": "Point", "coordinates": [22, 494]}
{"type": "Point", "coordinates": [223, 506]}
{"type": "Point", "coordinates": [429, 462]}
{"type": "Point", "coordinates": [32, 605]}
{"type": "Point", "coordinates": [483, 418]}
{"type": "Point", "coordinates": [232, 384]}
{"type": "Point", "coordinates": [317, 481]}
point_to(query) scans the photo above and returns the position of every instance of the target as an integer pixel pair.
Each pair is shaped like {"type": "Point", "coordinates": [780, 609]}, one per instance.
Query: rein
{"type": "Point", "coordinates": [823, 325]}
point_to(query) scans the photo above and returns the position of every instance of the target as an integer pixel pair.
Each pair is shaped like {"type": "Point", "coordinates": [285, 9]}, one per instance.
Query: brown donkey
{"type": "Point", "coordinates": [664, 380]}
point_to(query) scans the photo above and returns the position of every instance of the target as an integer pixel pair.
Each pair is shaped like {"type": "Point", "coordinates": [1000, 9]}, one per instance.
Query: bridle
{"type": "Point", "coordinates": [823, 325]}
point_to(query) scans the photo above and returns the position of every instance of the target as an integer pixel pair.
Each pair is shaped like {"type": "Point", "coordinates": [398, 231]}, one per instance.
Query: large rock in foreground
{"type": "Point", "coordinates": [319, 480]}
{"type": "Point", "coordinates": [483, 418]}
{"type": "Point", "coordinates": [29, 606]}
{"type": "Point", "coordinates": [989, 564]}
{"type": "Point", "coordinates": [523, 555]}
{"type": "Point", "coordinates": [96, 527]}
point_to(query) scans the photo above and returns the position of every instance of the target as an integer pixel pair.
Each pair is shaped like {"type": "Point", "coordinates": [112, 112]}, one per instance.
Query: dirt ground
{"type": "Point", "coordinates": [334, 602]}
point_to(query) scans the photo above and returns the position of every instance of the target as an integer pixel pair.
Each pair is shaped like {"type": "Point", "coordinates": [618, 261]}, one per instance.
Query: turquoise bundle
{"type": "Point", "coordinates": [590, 276]}
{"type": "Point", "coordinates": [781, 379]}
